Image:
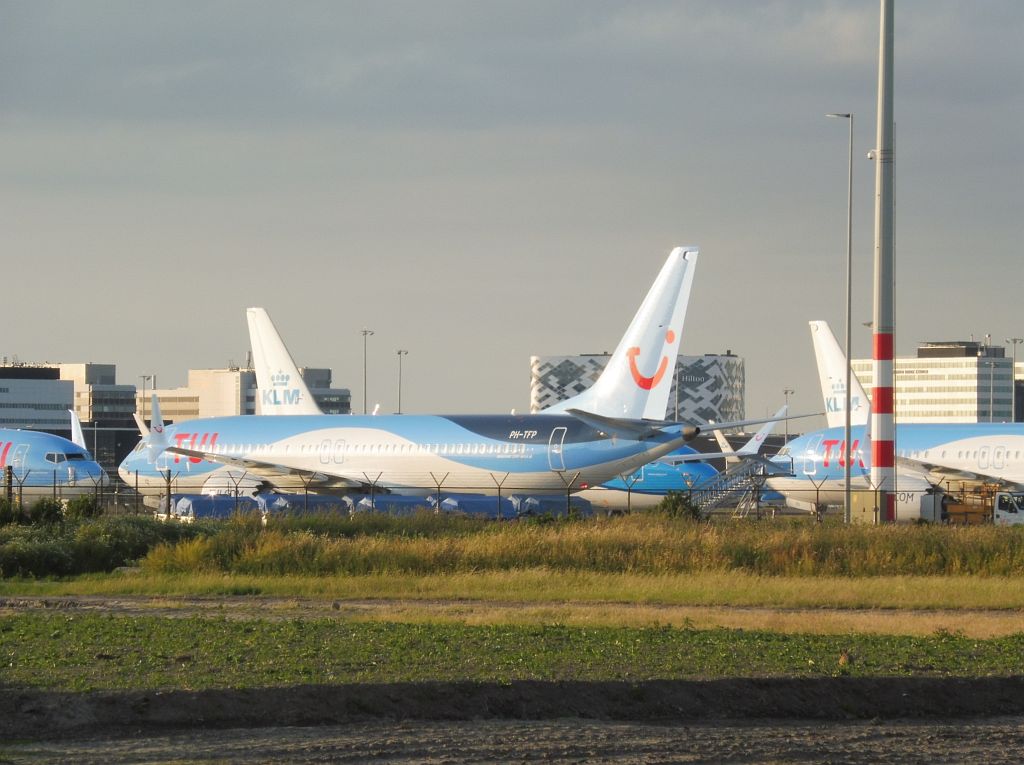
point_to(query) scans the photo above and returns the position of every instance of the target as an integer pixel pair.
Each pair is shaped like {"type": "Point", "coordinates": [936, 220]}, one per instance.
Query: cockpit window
{"type": "Point", "coordinates": [77, 456]}
{"type": "Point", "coordinates": [784, 451]}
{"type": "Point", "coordinates": [55, 457]}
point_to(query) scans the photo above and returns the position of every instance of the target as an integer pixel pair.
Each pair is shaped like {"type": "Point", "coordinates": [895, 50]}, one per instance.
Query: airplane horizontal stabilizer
{"type": "Point", "coordinates": [626, 428]}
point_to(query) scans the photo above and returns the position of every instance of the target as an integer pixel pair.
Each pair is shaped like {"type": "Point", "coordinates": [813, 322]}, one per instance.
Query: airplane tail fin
{"type": "Point", "coordinates": [636, 382]}
{"type": "Point", "coordinates": [77, 436]}
{"type": "Point", "coordinates": [753, 446]}
{"type": "Point", "coordinates": [281, 388]}
{"type": "Point", "coordinates": [832, 374]}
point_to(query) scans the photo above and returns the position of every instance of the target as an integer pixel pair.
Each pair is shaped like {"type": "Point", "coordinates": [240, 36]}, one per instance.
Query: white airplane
{"type": "Point", "coordinates": [45, 465]}
{"type": "Point", "coordinates": [612, 428]}
{"type": "Point", "coordinates": [927, 453]}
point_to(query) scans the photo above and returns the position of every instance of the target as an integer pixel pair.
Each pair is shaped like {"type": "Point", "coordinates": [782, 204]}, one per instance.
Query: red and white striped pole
{"type": "Point", "coordinates": [883, 423]}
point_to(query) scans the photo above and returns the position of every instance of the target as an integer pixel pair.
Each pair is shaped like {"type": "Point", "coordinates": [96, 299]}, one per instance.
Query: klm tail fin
{"type": "Point", "coordinates": [832, 374]}
{"type": "Point", "coordinates": [281, 388]}
{"type": "Point", "coordinates": [637, 380]}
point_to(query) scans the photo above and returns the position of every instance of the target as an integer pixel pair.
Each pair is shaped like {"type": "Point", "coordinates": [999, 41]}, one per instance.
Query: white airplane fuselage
{"type": "Point", "coordinates": [485, 454]}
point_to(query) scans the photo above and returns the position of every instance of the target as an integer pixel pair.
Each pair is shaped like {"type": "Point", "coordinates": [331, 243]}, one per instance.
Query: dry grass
{"type": "Point", "coordinates": [977, 624]}
{"type": "Point", "coordinates": [543, 586]}
{"type": "Point", "coordinates": [641, 544]}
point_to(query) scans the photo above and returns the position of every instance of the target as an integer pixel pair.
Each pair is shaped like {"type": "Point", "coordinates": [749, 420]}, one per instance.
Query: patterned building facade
{"type": "Point", "coordinates": [709, 387]}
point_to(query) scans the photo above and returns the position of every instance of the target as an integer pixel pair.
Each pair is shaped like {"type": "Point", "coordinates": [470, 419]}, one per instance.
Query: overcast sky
{"type": "Point", "coordinates": [478, 182]}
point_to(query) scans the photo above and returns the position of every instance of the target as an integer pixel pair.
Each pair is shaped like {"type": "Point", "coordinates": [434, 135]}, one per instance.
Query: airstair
{"type": "Point", "coordinates": [740, 486]}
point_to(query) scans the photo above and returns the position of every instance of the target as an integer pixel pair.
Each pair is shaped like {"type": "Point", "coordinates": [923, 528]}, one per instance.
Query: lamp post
{"type": "Point", "coordinates": [400, 353]}
{"type": "Point", "coordinates": [849, 283]}
{"type": "Point", "coordinates": [145, 379]}
{"type": "Point", "coordinates": [786, 392]}
{"type": "Point", "coordinates": [677, 393]}
{"type": "Point", "coordinates": [366, 334]}
{"type": "Point", "coordinates": [991, 372]}
{"type": "Point", "coordinates": [1014, 341]}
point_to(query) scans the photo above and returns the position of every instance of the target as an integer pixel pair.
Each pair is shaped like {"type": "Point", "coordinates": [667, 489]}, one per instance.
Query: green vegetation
{"type": "Point", "coordinates": [86, 652]}
{"type": "Point", "coordinates": [426, 544]}
{"type": "Point", "coordinates": [643, 543]}
{"type": "Point", "coordinates": [58, 547]}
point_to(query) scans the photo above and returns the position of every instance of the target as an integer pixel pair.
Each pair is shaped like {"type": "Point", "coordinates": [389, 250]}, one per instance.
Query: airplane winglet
{"type": "Point", "coordinates": [77, 436]}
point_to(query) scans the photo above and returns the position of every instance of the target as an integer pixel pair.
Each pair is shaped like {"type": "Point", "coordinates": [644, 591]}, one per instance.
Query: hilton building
{"type": "Point", "coordinates": [708, 387]}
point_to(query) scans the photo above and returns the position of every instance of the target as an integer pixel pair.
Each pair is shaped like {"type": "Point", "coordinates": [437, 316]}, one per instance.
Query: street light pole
{"type": "Point", "coordinates": [400, 353]}
{"type": "Point", "coordinates": [991, 372]}
{"type": "Point", "coordinates": [786, 392]}
{"type": "Point", "coordinates": [849, 287]}
{"type": "Point", "coordinates": [1014, 341]}
{"type": "Point", "coordinates": [145, 379]}
{"type": "Point", "coordinates": [366, 334]}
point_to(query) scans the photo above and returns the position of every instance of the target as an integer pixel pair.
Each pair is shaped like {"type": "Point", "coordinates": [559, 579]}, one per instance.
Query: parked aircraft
{"type": "Point", "coordinates": [612, 428]}
{"type": "Point", "coordinates": [681, 471]}
{"type": "Point", "coordinates": [45, 465]}
{"type": "Point", "coordinates": [643, 488]}
{"type": "Point", "coordinates": [927, 453]}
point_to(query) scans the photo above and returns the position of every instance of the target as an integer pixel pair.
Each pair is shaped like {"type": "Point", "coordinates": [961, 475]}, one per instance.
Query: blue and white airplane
{"type": "Point", "coordinates": [45, 465]}
{"type": "Point", "coordinates": [682, 470]}
{"type": "Point", "coordinates": [611, 429]}
{"type": "Point", "coordinates": [678, 471]}
{"type": "Point", "coordinates": [927, 453]}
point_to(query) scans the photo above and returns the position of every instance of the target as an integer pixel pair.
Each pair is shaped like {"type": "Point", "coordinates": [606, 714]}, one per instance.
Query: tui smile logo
{"type": "Point", "coordinates": [642, 380]}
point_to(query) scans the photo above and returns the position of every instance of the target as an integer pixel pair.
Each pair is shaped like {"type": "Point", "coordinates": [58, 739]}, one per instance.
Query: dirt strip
{"type": "Point", "coordinates": [42, 715]}
{"type": "Point", "coordinates": [975, 623]}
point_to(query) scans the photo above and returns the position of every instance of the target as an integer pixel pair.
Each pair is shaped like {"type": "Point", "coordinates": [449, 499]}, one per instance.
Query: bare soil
{"type": "Point", "coordinates": [994, 742]}
{"type": "Point", "coordinates": [740, 720]}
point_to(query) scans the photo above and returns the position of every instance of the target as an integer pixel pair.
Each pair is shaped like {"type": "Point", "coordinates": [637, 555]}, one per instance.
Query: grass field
{"type": "Point", "coordinates": [331, 599]}
{"type": "Point", "coordinates": [89, 652]}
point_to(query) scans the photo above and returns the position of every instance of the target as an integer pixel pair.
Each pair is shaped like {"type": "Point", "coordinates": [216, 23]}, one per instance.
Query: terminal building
{"type": "Point", "coordinates": [38, 396]}
{"type": "Point", "coordinates": [232, 391]}
{"type": "Point", "coordinates": [708, 387]}
{"type": "Point", "coordinates": [954, 381]}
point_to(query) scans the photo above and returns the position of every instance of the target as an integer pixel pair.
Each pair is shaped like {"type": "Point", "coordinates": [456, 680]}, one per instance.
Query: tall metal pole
{"type": "Point", "coordinates": [1013, 377]}
{"type": "Point", "coordinates": [145, 379]}
{"type": "Point", "coordinates": [883, 424]}
{"type": "Point", "coordinates": [400, 354]}
{"type": "Point", "coordinates": [366, 334]}
{"type": "Point", "coordinates": [785, 393]}
{"type": "Point", "coordinates": [849, 301]}
{"type": "Point", "coordinates": [991, 372]}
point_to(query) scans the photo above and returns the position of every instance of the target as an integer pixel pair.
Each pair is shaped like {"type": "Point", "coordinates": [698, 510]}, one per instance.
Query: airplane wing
{"type": "Point", "coordinates": [272, 472]}
{"type": "Point", "coordinates": [934, 472]}
{"type": "Point", "coordinates": [743, 423]}
{"type": "Point", "coordinates": [641, 429]}
{"type": "Point", "coordinates": [771, 468]}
